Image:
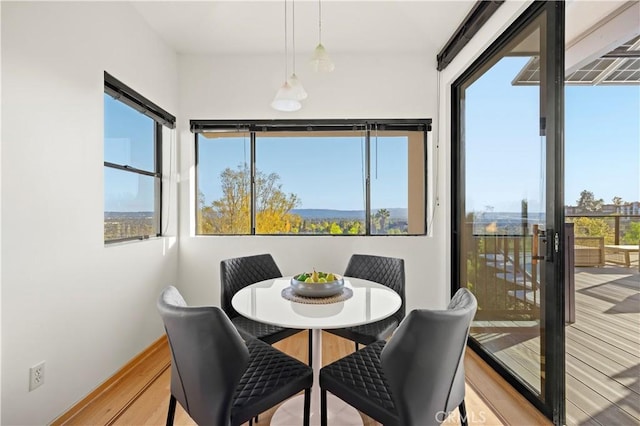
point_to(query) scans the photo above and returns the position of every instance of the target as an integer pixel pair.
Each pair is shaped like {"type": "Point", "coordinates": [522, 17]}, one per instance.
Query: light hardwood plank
{"type": "Point", "coordinates": [111, 398]}
{"type": "Point", "coordinates": [498, 396]}
{"type": "Point", "coordinates": [490, 400]}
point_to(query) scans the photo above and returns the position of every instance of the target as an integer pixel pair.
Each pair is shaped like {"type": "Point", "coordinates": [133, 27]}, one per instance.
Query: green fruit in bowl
{"type": "Point", "coordinates": [331, 277]}
{"type": "Point", "coordinates": [322, 280]}
{"type": "Point", "coordinates": [308, 280]}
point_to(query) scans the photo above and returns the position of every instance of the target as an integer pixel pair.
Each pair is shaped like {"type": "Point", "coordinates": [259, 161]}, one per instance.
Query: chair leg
{"type": "Point", "coordinates": [462, 409]}
{"type": "Point", "coordinates": [323, 407]}
{"type": "Point", "coordinates": [310, 348]}
{"type": "Point", "coordinates": [172, 410]}
{"type": "Point", "coordinates": [307, 407]}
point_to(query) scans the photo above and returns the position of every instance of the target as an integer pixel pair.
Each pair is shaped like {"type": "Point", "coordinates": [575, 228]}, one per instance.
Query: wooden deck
{"type": "Point", "coordinates": [602, 348]}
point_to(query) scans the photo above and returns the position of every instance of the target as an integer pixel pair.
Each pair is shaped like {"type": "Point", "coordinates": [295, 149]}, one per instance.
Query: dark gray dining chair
{"type": "Point", "coordinates": [216, 376]}
{"type": "Point", "coordinates": [388, 271]}
{"type": "Point", "coordinates": [417, 378]}
{"type": "Point", "coordinates": [236, 274]}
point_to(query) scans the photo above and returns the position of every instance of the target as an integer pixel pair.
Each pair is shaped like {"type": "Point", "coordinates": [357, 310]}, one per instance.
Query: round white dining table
{"type": "Point", "coordinates": [264, 302]}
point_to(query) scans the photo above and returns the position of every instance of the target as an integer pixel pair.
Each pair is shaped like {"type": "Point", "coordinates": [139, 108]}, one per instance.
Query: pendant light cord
{"type": "Point", "coordinates": [319, 21]}
{"type": "Point", "coordinates": [286, 70]}
{"type": "Point", "coordinates": [293, 44]}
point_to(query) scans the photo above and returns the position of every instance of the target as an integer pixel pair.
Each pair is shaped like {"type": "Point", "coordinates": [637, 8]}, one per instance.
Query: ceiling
{"type": "Point", "coordinates": [257, 27]}
{"type": "Point", "coordinates": [611, 69]}
{"type": "Point", "coordinates": [356, 26]}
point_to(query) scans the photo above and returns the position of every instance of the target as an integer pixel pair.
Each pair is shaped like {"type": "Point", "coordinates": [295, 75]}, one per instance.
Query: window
{"type": "Point", "coordinates": [132, 163]}
{"type": "Point", "coordinates": [311, 178]}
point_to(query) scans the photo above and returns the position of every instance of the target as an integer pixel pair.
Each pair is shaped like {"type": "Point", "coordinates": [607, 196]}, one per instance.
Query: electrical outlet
{"type": "Point", "coordinates": [36, 376]}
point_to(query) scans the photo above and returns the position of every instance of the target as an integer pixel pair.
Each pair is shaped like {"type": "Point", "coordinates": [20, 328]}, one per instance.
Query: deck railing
{"type": "Point", "coordinates": [615, 228]}
{"type": "Point", "coordinates": [501, 274]}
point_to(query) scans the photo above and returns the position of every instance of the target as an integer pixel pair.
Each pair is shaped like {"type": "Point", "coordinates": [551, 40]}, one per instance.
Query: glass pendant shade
{"type": "Point", "coordinates": [296, 86]}
{"type": "Point", "coordinates": [320, 61]}
{"type": "Point", "coordinates": [285, 99]}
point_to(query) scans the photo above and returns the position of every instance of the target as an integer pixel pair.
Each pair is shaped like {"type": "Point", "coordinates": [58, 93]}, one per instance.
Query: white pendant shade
{"type": "Point", "coordinates": [296, 86]}
{"type": "Point", "coordinates": [285, 99]}
{"type": "Point", "coordinates": [320, 61]}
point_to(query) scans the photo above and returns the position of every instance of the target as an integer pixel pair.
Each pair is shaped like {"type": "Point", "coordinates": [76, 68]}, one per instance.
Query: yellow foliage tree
{"type": "Point", "coordinates": [593, 227]}
{"type": "Point", "coordinates": [231, 214]}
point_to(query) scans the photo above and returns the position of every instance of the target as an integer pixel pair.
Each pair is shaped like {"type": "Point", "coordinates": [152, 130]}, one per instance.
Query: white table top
{"type": "Point", "coordinates": [263, 302]}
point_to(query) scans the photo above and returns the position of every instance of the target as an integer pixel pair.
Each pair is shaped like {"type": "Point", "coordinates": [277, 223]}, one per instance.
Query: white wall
{"type": "Point", "coordinates": [241, 87]}
{"type": "Point", "coordinates": [0, 227]}
{"type": "Point", "coordinates": [84, 308]}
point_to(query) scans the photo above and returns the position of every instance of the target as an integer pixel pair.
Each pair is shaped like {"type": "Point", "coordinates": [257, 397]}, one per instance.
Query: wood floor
{"type": "Point", "coordinates": [141, 397]}
{"type": "Point", "coordinates": [602, 348]}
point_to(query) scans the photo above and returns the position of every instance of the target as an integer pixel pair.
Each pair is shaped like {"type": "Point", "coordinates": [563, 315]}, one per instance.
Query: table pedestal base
{"type": "Point", "coordinates": [290, 413]}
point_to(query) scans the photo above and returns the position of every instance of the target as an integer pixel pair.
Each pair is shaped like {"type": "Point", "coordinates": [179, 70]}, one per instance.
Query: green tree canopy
{"type": "Point", "coordinates": [618, 201]}
{"type": "Point", "coordinates": [588, 203]}
{"type": "Point", "coordinates": [383, 215]}
{"type": "Point", "coordinates": [632, 236]}
{"type": "Point", "coordinates": [335, 229]}
{"type": "Point", "coordinates": [593, 227]}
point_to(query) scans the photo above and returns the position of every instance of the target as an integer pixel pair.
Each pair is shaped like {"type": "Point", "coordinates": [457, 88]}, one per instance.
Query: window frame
{"type": "Point", "coordinates": [123, 93]}
{"type": "Point", "coordinates": [367, 126]}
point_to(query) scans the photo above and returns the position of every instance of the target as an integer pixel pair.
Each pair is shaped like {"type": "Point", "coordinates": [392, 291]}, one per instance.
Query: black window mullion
{"type": "Point", "coordinates": [158, 148]}
{"type": "Point", "coordinates": [427, 212]}
{"type": "Point", "coordinates": [125, 94]}
{"type": "Point", "coordinates": [197, 182]}
{"type": "Point", "coordinates": [367, 190]}
{"type": "Point", "coordinates": [158, 155]}
{"type": "Point", "coordinates": [200, 126]}
{"type": "Point", "coordinates": [252, 204]}
{"type": "Point", "coordinates": [131, 169]}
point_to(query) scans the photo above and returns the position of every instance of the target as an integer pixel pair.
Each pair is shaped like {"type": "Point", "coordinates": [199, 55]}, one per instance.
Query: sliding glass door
{"type": "Point", "coordinates": [508, 209]}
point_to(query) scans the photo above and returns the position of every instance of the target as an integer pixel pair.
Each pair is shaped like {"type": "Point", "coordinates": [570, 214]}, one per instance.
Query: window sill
{"type": "Point", "coordinates": [131, 240]}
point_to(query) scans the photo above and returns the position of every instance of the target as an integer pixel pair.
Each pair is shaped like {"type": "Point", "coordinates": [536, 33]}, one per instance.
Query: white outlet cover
{"type": "Point", "coordinates": [36, 376]}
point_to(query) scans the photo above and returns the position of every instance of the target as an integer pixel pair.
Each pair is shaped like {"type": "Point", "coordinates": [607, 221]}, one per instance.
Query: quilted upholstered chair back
{"type": "Point", "coordinates": [423, 361]}
{"type": "Point", "coordinates": [208, 358]}
{"type": "Point", "coordinates": [388, 271]}
{"type": "Point", "coordinates": [239, 272]}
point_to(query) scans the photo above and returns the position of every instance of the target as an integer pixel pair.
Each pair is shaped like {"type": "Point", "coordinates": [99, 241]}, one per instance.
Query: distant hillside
{"type": "Point", "coordinates": [127, 215]}
{"type": "Point", "coordinates": [304, 213]}
{"type": "Point", "coordinates": [343, 214]}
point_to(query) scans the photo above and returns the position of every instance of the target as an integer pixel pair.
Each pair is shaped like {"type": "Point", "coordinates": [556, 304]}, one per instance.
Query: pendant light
{"type": "Point", "coordinates": [320, 60]}
{"type": "Point", "coordinates": [296, 85]}
{"type": "Point", "coordinates": [285, 99]}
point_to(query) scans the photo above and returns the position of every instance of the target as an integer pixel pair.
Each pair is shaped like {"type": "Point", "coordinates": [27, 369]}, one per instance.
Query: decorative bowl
{"type": "Point", "coordinates": [327, 289]}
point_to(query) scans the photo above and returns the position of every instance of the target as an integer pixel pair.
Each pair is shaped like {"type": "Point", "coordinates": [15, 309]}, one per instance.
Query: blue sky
{"type": "Point", "coordinates": [128, 139]}
{"type": "Point", "coordinates": [602, 142]}
{"type": "Point", "coordinates": [503, 146]}
{"type": "Point", "coordinates": [602, 150]}
{"type": "Point", "coordinates": [325, 173]}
